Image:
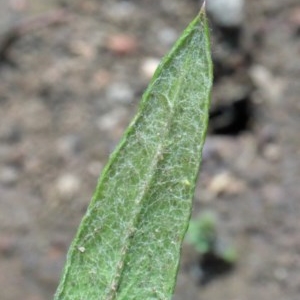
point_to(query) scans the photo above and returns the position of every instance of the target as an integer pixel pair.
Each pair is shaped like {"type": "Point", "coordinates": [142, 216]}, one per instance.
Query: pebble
{"type": "Point", "coordinates": [114, 123]}
{"type": "Point", "coordinates": [225, 183]}
{"type": "Point", "coordinates": [120, 11]}
{"type": "Point", "coordinates": [110, 120]}
{"type": "Point", "coordinates": [167, 36]}
{"type": "Point", "coordinates": [122, 44]}
{"type": "Point", "coordinates": [269, 85]}
{"type": "Point", "coordinates": [67, 186]}
{"type": "Point", "coordinates": [148, 66]}
{"type": "Point", "coordinates": [227, 13]}
{"type": "Point", "coordinates": [120, 92]}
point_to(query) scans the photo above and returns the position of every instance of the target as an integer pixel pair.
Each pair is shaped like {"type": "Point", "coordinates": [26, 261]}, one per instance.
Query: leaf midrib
{"type": "Point", "coordinates": [120, 266]}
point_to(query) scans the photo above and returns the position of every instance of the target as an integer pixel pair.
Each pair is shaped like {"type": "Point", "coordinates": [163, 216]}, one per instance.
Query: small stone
{"type": "Point", "coordinates": [225, 183]}
{"type": "Point", "coordinates": [120, 11]}
{"type": "Point", "coordinates": [148, 67]}
{"type": "Point", "coordinates": [111, 120]}
{"type": "Point", "coordinates": [122, 44]}
{"type": "Point", "coordinates": [269, 85]}
{"type": "Point", "coordinates": [227, 13]}
{"type": "Point", "coordinates": [67, 186]}
{"type": "Point", "coordinates": [120, 92]}
{"type": "Point", "coordinates": [9, 176]}
{"type": "Point", "coordinates": [167, 36]}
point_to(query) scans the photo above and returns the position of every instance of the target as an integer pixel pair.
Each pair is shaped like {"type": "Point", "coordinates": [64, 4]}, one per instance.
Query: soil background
{"type": "Point", "coordinates": [71, 76]}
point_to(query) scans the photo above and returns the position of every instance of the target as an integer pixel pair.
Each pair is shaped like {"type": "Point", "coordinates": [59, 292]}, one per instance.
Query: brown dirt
{"type": "Point", "coordinates": [68, 90]}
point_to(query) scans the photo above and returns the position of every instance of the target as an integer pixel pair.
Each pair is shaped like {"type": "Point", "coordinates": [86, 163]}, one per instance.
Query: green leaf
{"type": "Point", "coordinates": [202, 232]}
{"type": "Point", "coordinates": [128, 244]}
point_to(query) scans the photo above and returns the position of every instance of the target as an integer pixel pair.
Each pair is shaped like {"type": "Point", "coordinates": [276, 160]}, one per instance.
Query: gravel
{"type": "Point", "coordinates": [227, 13]}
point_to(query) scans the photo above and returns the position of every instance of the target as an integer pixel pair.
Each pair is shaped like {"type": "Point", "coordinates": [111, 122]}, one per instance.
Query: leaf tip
{"type": "Point", "coordinates": [203, 7]}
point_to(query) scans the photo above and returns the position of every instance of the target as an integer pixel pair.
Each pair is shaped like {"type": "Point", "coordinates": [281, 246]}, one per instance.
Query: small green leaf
{"type": "Point", "coordinates": [202, 232]}
{"type": "Point", "coordinates": [128, 244]}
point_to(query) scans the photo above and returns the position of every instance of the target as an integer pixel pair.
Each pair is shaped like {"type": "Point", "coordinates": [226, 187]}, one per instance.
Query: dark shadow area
{"type": "Point", "coordinates": [231, 119]}
{"type": "Point", "coordinates": [212, 267]}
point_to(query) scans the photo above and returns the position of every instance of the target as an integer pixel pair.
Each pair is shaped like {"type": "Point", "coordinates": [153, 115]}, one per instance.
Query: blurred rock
{"type": "Point", "coordinates": [122, 44]}
{"type": "Point", "coordinates": [149, 65]}
{"type": "Point", "coordinates": [120, 11]}
{"type": "Point", "coordinates": [226, 183]}
{"type": "Point", "coordinates": [227, 13]}
{"type": "Point", "coordinates": [167, 36]}
{"type": "Point", "coordinates": [110, 120]}
{"type": "Point", "coordinates": [67, 186]}
{"type": "Point", "coordinates": [120, 92]}
{"type": "Point", "coordinates": [272, 87]}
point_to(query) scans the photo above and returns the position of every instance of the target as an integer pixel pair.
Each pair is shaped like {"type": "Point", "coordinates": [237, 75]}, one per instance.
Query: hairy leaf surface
{"type": "Point", "coordinates": [128, 244]}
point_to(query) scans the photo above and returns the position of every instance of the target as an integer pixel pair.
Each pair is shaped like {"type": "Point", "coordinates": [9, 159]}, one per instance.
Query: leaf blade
{"type": "Point", "coordinates": [128, 244]}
